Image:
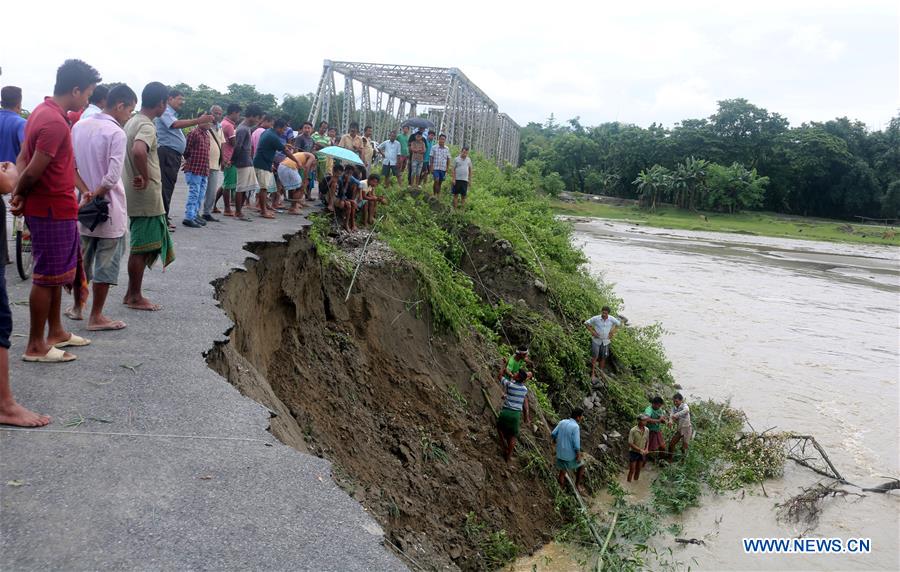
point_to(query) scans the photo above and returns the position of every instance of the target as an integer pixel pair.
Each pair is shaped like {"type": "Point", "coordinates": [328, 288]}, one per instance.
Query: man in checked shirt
{"type": "Point", "coordinates": [196, 171]}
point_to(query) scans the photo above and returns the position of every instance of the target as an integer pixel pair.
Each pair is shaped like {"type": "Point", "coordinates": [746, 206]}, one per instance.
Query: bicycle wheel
{"type": "Point", "coordinates": [24, 260]}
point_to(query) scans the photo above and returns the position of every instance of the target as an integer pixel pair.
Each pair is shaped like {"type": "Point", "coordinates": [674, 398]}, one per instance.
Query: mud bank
{"type": "Point", "coordinates": [397, 407]}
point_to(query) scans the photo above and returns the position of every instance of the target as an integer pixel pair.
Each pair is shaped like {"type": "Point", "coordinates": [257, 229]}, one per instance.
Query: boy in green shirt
{"type": "Point", "coordinates": [655, 412]}
{"type": "Point", "coordinates": [516, 362]}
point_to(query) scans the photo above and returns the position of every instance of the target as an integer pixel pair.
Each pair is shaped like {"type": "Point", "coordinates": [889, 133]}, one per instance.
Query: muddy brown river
{"type": "Point", "coordinates": [803, 336]}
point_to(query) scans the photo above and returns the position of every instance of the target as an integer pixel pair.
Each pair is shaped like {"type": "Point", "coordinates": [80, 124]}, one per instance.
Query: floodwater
{"type": "Point", "coordinates": [803, 336]}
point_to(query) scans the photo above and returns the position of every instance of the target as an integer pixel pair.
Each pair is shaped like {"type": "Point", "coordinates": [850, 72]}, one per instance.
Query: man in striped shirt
{"type": "Point", "coordinates": [440, 163]}
{"type": "Point", "coordinates": [515, 401]}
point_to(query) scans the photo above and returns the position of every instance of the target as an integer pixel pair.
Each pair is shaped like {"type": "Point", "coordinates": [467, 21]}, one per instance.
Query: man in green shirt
{"type": "Point", "coordinates": [150, 237]}
{"type": "Point", "coordinates": [516, 362]}
{"type": "Point", "coordinates": [403, 159]}
{"type": "Point", "coordinates": [655, 412]}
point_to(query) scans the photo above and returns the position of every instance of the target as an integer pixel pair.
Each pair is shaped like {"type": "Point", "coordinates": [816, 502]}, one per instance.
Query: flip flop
{"type": "Point", "coordinates": [228, 213]}
{"type": "Point", "coordinates": [54, 355]}
{"type": "Point", "coordinates": [151, 308]}
{"type": "Point", "coordinates": [114, 325]}
{"type": "Point", "coordinates": [244, 218]}
{"type": "Point", "coordinates": [69, 313]}
{"type": "Point", "coordinates": [267, 215]}
{"type": "Point", "coordinates": [74, 341]}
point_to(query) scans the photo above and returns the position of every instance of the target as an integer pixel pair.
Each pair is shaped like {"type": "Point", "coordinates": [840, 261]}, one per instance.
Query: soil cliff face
{"type": "Point", "coordinates": [397, 407]}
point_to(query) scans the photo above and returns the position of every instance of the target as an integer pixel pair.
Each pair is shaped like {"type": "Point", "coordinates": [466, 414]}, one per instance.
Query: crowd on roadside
{"type": "Point", "coordinates": [92, 174]}
{"type": "Point", "coordinates": [645, 439]}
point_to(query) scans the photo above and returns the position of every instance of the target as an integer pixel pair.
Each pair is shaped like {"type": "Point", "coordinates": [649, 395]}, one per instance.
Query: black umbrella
{"type": "Point", "coordinates": [418, 122]}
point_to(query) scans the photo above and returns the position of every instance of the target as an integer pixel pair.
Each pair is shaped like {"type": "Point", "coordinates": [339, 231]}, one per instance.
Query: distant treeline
{"type": "Point", "coordinates": [740, 157]}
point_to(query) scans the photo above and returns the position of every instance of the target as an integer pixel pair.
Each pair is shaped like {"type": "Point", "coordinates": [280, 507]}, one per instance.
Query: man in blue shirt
{"type": "Point", "coordinates": [567, 437]}
{"type": "Point", "coordinates": [172, 142]}
{"type": "Point", "coordinates": [12, 133]}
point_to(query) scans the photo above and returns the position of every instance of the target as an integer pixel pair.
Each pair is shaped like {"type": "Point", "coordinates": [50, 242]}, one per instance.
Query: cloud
{"type": "Point", "coordinates": [812, 40]}
{"type": "Point", "coordinates": [634, 62]}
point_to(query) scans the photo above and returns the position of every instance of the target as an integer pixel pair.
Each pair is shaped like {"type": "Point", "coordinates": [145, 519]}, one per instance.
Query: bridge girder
{"type": "Point", "coordinates": [459, 108]}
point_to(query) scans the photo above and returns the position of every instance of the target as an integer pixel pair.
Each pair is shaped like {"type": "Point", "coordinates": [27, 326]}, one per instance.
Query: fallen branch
{"type": "Point", "coordinates": [807, 506]}
{"type": "Point", "coordinates": [362, 256]}
{"type": "Point", "coordinates": [603, 548]}
{"type": "Point", "coordinates": [884, 487]}
{"type": "Point", "coordinates": [696, 541]}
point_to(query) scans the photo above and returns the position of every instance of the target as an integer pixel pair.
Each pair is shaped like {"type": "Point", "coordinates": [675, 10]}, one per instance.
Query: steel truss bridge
{"type": "Point", "coordinates": [444, 95]}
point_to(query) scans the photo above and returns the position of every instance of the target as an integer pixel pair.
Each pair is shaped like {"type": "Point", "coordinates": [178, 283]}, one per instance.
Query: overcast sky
{"type": "Point", "coordinates": [632, 61]}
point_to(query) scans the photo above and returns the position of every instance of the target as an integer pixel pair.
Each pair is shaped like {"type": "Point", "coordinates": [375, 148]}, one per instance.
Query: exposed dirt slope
{"type": "Point", "coordinates": [395, 406]}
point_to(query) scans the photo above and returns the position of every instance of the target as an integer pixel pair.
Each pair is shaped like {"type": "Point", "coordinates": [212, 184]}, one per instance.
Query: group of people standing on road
{"type": "Point", "coordinates": [89, 173]}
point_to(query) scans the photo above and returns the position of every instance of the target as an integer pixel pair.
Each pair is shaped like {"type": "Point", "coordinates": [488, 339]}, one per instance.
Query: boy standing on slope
{"type": "Point", "coordinates": [655, 413]}
{"type": "Point", "coordinates": [567, 436]}
{"type": "Point", "coordinates": [637, 447]}
{"type": "Point", "coordinates": [681, 415]}
{"type": "Point", "coordinates": [517, 361]}
{"type": "Point", "coordinates": [515, 402]}
{"type": "Point", "coordinates": [602, 329]}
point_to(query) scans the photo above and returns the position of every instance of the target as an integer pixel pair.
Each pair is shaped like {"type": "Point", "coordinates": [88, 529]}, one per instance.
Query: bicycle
{"type": "Point", "coordinates": [24, 259]}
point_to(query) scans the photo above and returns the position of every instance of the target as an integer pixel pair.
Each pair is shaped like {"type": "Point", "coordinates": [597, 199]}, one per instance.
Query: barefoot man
{"type": "Point", "coordinates": [150, 238]}
{"type": "Point", "coordinates": [44, 193]}
{"type": "Point", "coordinates": [99, 155]}
{"type": "Point", "coordinates": [11, 413]}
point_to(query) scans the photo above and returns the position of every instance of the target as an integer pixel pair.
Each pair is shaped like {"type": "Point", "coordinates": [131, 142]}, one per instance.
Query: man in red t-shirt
{"type": "Point", "coordinates": [44, 194]}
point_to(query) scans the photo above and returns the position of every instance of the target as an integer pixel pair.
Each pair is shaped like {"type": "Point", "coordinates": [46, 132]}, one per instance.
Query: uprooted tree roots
{"type": "Point", "coordinates": [806, 507]}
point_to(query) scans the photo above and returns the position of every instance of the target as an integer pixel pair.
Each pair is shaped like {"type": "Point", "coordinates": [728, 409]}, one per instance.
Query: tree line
{"type": "Point", "coordinates": [741, 157]}
{"type": "Point", "coordinates": [198, 100]}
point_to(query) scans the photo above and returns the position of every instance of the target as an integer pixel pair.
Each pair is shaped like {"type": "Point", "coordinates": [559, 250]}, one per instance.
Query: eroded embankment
{"type": "Point", "coordinates": [397, 407]}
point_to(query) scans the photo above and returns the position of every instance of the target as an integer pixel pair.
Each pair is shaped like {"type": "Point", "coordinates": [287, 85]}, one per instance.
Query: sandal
{"type": "Point", "coordinates": [74, 341]}
{"type": "Point", "coordinates": [53, 355]}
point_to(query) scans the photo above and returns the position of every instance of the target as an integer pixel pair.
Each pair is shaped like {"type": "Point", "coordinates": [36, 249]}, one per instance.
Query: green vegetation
{"type": "Point", "coordinates": [495, 548]}
{"type": "Point", "coordinates": [754, 223]}
{"type": "Point", "coordinates": [431, 450]}
{"type": "Point", "coordinates": [514, 232]}
{"type": "Point", "coordinates": [719, 457]}
{"type": "Point", "coordinates": [742, 156]}
{"type": "Point", "coordinates": [505, 208]}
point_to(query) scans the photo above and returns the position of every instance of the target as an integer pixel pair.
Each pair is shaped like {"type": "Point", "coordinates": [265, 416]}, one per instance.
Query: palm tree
{"type": "Point", "coordinates": [650, 184]}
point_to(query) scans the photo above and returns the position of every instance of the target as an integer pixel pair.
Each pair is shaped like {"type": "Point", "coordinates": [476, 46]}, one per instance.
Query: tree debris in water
{"type": "Point", "coordinates": [806, 507]}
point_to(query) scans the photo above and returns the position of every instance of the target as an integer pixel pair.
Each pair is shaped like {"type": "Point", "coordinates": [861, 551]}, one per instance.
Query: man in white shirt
{"type": "Point", "coordinates": [391, 151]}
{"type": "Point", "coordinates": [602, 329]}
{"type": "Point", "coordinates": [462, 174]}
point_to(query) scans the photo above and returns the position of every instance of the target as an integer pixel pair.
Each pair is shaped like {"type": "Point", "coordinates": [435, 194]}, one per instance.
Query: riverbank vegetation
{"type": "Point", "coordinates": [741, 157]}
{"type": "Point", "coordinates": [750, 223]}
{"type": "Point", "coordinates": [505, 271]}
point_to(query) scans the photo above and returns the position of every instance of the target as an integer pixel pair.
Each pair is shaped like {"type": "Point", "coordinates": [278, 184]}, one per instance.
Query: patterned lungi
{"type": "Point", "coordinates": [56, 249]}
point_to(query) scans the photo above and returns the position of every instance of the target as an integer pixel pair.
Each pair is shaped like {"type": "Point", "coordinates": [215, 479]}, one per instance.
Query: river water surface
{"type": "Point", "coordinates": [803, 336]}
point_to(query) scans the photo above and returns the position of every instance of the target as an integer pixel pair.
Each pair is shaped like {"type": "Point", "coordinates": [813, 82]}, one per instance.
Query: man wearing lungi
{"type": "Point", "coordinates": [45, 195]}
